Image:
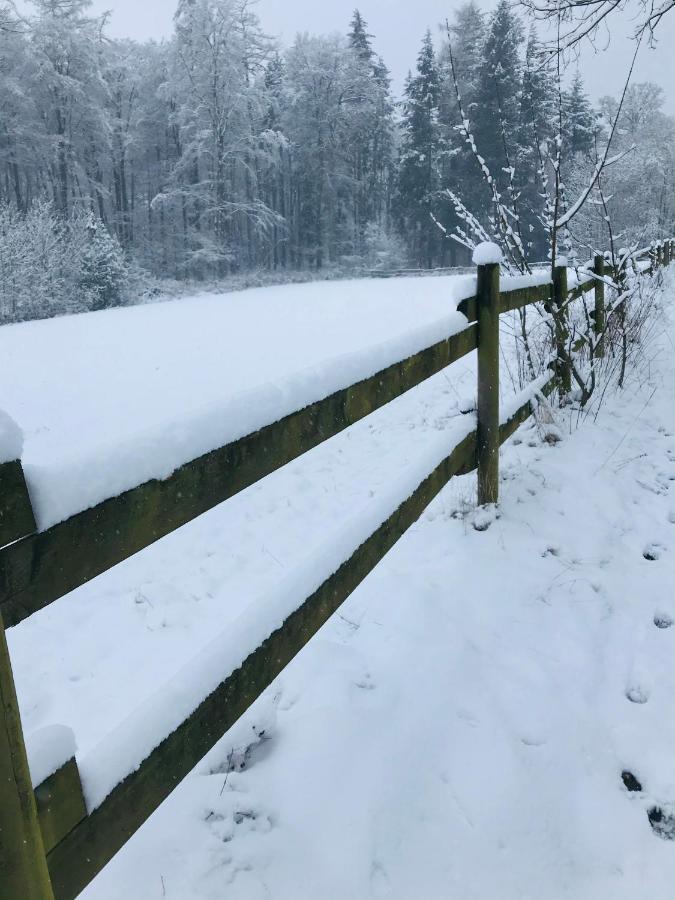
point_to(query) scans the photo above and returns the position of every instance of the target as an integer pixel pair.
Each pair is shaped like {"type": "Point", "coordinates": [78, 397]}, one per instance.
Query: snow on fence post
{"type": "Point", "coordinates": [561, 333]}
{"type": "Point", "coordinates": [487, 257]}
{"type": "Point", "coordinates": [599, 288]}
{"type": "Point", "coordinates": [23, 863]}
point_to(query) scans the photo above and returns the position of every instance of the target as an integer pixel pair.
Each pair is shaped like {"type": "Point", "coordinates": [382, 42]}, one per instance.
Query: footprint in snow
{"type": "Point", "coordinates": [630, 782]}
{"type": "Point", "coordinates": [653, 551]}
{"type": "Point", "coordinates": [662, 620]}
{"type": "Point", "coordinates": [637, 694]}
{"type": "Point", "coordinates": [662, 822]}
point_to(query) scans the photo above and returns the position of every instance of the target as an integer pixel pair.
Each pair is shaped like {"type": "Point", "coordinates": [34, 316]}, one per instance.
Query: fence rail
{"type": "Point", "coordinates": [51, 822]}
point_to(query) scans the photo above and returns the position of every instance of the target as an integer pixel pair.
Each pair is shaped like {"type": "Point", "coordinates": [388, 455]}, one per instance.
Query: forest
{"type": "Point", "coordinates": [126, 166]}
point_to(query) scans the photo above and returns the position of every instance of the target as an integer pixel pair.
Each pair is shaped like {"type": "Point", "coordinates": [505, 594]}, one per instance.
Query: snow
{"type": "Point", "coordinates": [109, 400]}
{"type": "Point", "coordinates": [238, 567]}
{"type": "Point", "coordinates": [121, 751]}
{"type": "Point", "coordinates": [516, 282]}
{"type": "Point", "coordinates": [459, 727]}
{"type": "Point", "coordinates": [486, 254]}
{"type": "Point", "coordinates": [474, 700]}
{"type": "Point", "coordinates": [11, 439]}
{"type": "Point", "coordinates": [48, 749]}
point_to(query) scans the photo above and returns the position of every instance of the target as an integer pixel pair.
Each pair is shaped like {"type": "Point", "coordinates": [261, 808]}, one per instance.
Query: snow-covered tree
{"type": "Point", "coordinates": [419, 181]}
{"type": "Point", "coordinates": [102, 269]}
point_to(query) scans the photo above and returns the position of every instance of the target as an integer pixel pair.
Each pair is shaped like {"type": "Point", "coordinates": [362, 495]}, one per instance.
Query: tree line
{"type": "Point", "coordinates": [216, 152]}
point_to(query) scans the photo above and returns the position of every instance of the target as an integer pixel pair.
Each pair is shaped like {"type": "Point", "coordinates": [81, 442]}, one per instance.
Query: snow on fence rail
{"type": "Point", "coordinates": [53, 841]}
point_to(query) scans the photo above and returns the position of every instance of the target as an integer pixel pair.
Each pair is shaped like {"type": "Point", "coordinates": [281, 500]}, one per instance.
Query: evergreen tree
{"type": "Point", "coordinates": [359, 39]}
{"type": "Point", "coordinates": [537, 123]}
{"type": "Point", "coordinates": [459, 171]}
{"type": "Point", "coordinates": [496, 114]}
{"type": "Point", "coordinates": [370, 125]}
{"type": "Point", "coordinates": [579, 120]}
{"type": "Point", "coordinates": [102, 267]}
{"type": "Point", "coordinates": [419, 165]}
{"type": "Point", "coordinates": [467, 33]}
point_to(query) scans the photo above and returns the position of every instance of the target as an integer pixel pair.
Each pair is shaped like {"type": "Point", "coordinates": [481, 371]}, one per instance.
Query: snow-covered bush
{"type": "Point", "coordinates": [103, 270]}
{"type": "Point", "coordinates": [384, 250]}
{"type": "Point", "coordinates": [51, 267]}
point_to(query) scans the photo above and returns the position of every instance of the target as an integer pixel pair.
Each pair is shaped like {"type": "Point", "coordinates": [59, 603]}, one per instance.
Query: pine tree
{"type": "Point", "coordinates": [579, 120]}
{"type": "Point", "coordinates": [419, 166]}
{"type": "Point", "coordinates": [370, 124]}
{"type": "Point", "coordinates": [359, 39]}
{"type": "Point", "coordinates": [102, 267]}
{"type": "Point", "coordinates": [537, 122]}
{"type": "Point", "coordinates": [467, 34]}
{"type": "Point", "coordinates": [496, 116]}
{"type": "Point", "coordinates": [459, 171]}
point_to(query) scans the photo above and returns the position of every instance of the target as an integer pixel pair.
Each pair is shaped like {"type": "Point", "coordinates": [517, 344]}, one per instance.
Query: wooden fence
{"type": "Point", "coordinates": [51, 846]}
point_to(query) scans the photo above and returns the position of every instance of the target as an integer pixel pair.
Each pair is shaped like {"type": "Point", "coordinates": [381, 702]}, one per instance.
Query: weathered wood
{"type": "Point", "coordinates": [508, 300]}
{"type": "Point", "coordinates": [92, 843]}
{"type": "Point", "coordinates": [599, 324]}
{"type": "Point", "coordinates": [76, 860]}
{"type": "Point", "coordinates": [469, 308]}
{"type": "Point", "coordinates": [519, 297]}
{"type": "Point", "coordinates": [561, 332]}
{"type": "Point", "coordinates": [60, 804]}
{"type": "Point", "coordinates": [39, 569]}
{"type": "Point", "coordinates": [488, 384]}
{"type": "Point", "coordinates": [16, 512]}
{"type": "Point", "coordinates": [580, 289]}
{"type": "Point", "coordinates": [23, 867]}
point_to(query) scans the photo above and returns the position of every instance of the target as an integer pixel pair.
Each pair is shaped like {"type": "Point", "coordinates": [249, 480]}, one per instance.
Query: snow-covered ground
{"type": "Point", "coordinates": [460, 728]}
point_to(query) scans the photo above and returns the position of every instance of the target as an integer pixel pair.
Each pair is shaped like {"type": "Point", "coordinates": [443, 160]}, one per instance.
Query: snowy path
{"type": "Point", "coordinates": [460, 729]}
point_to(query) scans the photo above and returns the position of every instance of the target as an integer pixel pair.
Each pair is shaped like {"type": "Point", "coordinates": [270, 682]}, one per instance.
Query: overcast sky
{"type": "Point", "coordinates": [398, 28]}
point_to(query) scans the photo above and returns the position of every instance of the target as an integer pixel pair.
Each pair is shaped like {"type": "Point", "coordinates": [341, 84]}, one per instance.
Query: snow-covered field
{"type": "Point", "coordinates": [460, 728]}
{"type": "Point", "coordinates": [108, 400]}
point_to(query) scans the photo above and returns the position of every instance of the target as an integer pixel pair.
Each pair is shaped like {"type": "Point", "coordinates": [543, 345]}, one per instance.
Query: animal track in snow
{"type": "Point", "coordinates": [663, 823]}
{"type": "Point", "coordinates": [662, 620]}
{"type": "Point", "coordinates": [630, 782]}
{"type": "Point", "coordinates": [653, 551]}
{"type": "Point", "coordinates": [637, 694]}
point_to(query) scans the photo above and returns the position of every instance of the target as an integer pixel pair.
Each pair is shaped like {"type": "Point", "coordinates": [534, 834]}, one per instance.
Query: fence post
{"type": "Point", "coordinates": [488, 383]}
{"type": "Point", "coordinates": [23, 864]}
{"type": "Point", "coordinates": [561, 334]}
{"type": "Point", "coordinates": [599, 288]}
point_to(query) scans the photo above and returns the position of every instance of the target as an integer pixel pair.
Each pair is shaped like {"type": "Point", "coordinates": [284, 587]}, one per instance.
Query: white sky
{"type": "Point", "coordinates": [398, 29]}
